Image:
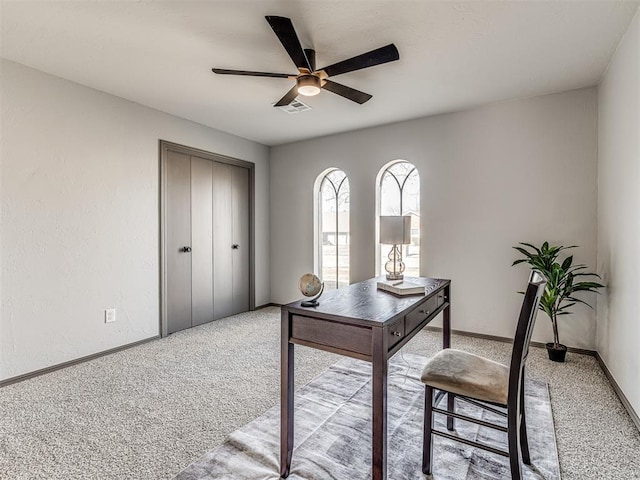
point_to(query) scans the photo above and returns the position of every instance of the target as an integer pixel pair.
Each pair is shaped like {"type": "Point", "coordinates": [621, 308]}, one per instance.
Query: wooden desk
{"type": "Point", "coordinates": [363, 322]}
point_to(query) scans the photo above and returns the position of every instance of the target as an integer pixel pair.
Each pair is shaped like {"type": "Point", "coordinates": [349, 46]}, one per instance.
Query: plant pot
{"type": "Point", "coordinates": [556, 354]}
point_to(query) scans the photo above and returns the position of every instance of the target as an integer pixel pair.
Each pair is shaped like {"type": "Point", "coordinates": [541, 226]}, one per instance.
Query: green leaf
{"type": "Point", "coordinates": [567, 262]}
{"type": "Point", "coordinates": [524, 252]}
{"type": "Point", "coordinates": [586, 275]}
{"type": "Point", "coordinates": [531, 246]}
{"type": "Point", "coordinates": [586, 286]}
{"type": "Point", "coordinates": [575, 268]}
{"type": "Point", "coordinates": [568, 305]}
{"type": "Point", "coordinates": [577, 300]}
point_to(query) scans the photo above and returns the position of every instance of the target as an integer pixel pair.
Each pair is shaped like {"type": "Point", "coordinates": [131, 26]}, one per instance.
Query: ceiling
{"type": "Point", "coordinates": [453, 55]}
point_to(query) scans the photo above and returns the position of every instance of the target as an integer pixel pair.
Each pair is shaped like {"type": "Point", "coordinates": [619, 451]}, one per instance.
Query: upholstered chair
{"type": "Point", "coordinates": [486, 384]}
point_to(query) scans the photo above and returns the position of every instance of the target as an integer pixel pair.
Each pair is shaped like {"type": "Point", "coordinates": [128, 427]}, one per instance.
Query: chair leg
{"type": "Point", "coordinates": [513, 434]}
{"type": "Point", "coordinates": [450, 408]}
{"type": "Point", "coordinates": [524, 442]}
{"type": "Point", "coordinates": [427, 438]}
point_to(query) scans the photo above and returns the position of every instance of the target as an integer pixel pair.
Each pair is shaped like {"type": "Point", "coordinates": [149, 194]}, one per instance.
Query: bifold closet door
{"type": "Point", "coordinates": [230, 239]}
{"type": "Point", "coordinates": [207, 240]}
{"type": "Point", "coordinates": [201, 241]}
{"type": "Point", "coordinates": [178, 241]}
{"type": "Point", "coordinates": [189, 241]}
{"type": "Point", "coordinates": [240, 255]}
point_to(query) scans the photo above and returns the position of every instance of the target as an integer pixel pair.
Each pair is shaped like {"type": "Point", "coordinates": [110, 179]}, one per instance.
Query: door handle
{"type": "Point", "coordinates": [185, 249]}
{"type": "Point", "coordinates": [235, 246]}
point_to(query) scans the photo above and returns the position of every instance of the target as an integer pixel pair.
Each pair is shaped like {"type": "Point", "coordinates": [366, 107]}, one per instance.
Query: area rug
{"type": "Point", "coordinates": [333, 433]}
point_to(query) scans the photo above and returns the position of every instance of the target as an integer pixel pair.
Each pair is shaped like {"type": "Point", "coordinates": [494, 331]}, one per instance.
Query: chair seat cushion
{"type": "Point", "coordinates": [466, 374]}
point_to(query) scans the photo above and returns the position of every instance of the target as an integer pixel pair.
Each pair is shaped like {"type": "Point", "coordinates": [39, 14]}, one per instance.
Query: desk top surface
{"type": "Point", "coordinates": [363, 303]}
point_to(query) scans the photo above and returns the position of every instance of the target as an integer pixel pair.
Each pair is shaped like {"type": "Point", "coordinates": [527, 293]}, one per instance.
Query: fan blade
{"type": "Point", "coordinates": [288, 98]}
{"type": "Point", "coordinates": [283, 28]}
{"type": "Point", "coordinates": [222, 71]}
{"type": "Point", "coordinates": [369, 59]}
{"type": "Point", "coordinates": [346, 92]}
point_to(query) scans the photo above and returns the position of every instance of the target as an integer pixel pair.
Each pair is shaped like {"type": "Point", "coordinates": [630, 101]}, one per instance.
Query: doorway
{"type": "Point", "coordinates": [206, 237]}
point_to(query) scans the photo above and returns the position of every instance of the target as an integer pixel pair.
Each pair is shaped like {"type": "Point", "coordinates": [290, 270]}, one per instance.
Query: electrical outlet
{"type": "Point", "coordinates": [110, 315]}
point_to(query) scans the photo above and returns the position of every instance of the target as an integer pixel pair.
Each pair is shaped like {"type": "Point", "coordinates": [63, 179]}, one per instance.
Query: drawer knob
{"type": "Point", "coordinates": [426, 312]}
{"type": "Point", "coordinates": [396, 334]}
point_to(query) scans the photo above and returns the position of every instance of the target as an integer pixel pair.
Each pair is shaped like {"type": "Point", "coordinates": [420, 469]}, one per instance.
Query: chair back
{"type": "Point", "coordinates": [524, 329]}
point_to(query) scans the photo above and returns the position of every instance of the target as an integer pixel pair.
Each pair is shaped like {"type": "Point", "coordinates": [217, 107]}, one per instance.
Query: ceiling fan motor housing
{"type": "Point", "coordinates": [308, 85]}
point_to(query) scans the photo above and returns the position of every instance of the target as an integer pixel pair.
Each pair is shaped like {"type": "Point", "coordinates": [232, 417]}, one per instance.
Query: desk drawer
{"type": "Point", "coordinates": [395, 332]}
{"type": "Point", "coordinates": [417, 316]}
{"type": "Point", "coordinates": [337, 335]}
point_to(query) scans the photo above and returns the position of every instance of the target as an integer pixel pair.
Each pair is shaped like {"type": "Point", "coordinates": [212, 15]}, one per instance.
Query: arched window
{"type": "Point", "coordinates": [332, 231]}
{"type": "Point", "coordinates": [399, 194]}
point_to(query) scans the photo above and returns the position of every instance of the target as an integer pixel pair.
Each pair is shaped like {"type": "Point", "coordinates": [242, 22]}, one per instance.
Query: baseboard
{"type": "Point", "coordinates": [267, 305]}
{"type": "Point", "coordinates": [53, 368]}
{"type": "Point", "coordinates": [616, 388]}
{"type": "Point", "coordinates": [463, 333]}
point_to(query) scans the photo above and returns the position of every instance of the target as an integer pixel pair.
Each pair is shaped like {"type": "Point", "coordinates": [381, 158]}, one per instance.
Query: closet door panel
{"type": "Point", "coordinates": [178, 236]}
{"type": "Point", "coordinates": [202, 240]}
{"type": "Point", "coordinates": [222, 240]}
{"type": "Point", "coordinates": [240, 222]}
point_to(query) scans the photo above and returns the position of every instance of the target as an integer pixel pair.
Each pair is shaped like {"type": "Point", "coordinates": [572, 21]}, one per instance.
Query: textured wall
{"type": "Point", "coordinates": [490, 177]}
{"type": "Point", "coordinates": [618, 217]}
{"type": "Point", "coordinates": [79, 217]}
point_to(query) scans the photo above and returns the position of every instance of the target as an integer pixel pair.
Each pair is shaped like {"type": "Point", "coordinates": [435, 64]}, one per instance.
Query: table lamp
{"type": "Point", "coordinates": [395, 230]}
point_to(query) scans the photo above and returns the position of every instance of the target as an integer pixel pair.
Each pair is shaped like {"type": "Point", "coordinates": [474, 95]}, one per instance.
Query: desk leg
{"type": "Point", "coordinates": [286, 397]}
{"type": "Point", "coordinates": [379, 414]}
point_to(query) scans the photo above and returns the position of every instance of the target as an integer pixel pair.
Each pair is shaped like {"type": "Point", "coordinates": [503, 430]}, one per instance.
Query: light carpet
{"type": "Point", "coordinates": [333, 433]}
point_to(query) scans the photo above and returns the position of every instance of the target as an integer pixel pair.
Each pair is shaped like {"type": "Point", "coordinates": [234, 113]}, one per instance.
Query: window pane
{"type": "Point", "coordinates": [400, 195]}
{"type": "Point", "coordinates": [334, 229]}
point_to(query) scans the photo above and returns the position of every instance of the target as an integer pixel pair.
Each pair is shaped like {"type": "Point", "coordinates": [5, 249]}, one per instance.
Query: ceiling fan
{"type": "Point", "coordinates": [310, 81]}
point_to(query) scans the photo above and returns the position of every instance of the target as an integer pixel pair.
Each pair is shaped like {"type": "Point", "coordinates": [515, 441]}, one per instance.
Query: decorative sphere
{"type": "Point", "coordinates": [310, 285]}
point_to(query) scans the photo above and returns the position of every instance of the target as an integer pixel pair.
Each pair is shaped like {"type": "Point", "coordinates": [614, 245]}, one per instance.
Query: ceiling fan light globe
{"type": "Point", "coordinates": [308, 85]}
{"type": "Point", "coordinates": [308, 91]}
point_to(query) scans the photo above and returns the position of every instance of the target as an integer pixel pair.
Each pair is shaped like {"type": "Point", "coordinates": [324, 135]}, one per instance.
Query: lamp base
{"type": "Point", "coordinates": [394, 267]}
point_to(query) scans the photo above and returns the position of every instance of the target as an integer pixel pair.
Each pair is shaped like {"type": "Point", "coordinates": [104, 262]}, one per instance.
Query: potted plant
{"type": "Point", "coordinates": [562, 285]}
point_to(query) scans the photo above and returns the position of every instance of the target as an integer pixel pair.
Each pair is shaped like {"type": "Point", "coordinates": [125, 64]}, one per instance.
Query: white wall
{"type": "Point", "coordinates": [490, 177]}
{"type": "Point", "coordinates": [619, 214]}
{"type": "Point", "coordinates": [79, 217]}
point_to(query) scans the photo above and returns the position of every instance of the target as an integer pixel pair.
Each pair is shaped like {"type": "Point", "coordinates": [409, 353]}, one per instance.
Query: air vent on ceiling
{"type": "Point", "coordinates": [295, 107]}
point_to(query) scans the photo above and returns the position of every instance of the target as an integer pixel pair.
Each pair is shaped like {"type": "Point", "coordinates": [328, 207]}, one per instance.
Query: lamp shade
{"type": "Point", "coordinates": [395, 230]}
